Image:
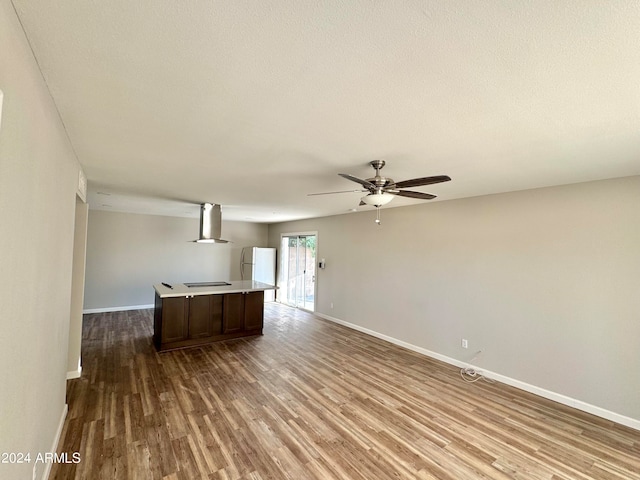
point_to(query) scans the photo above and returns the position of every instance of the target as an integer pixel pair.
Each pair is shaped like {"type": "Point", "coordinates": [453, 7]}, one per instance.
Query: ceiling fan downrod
{"type": "Point", "coordinates": [377, 165]}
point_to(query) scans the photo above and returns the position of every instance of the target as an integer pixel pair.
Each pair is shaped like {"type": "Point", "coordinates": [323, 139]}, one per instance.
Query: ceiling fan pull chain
{"type": "Point", "coordinates": [378, 215]}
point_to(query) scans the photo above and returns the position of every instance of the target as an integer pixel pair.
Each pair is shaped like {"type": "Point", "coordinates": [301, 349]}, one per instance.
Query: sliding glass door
{"type": "Point", "coordinates": [298, 270]}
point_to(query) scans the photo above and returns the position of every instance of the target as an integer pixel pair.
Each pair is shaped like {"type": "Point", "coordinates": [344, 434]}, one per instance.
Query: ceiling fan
{"type": "Point", "coordinates": [381, 190]}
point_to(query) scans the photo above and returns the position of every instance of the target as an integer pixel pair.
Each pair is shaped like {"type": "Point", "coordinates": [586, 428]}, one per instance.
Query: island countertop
{"type": "Point", "coordinates": [181, 290]}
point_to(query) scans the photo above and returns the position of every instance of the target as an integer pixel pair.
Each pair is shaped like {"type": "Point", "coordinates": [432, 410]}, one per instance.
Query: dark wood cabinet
{"type": "Point", "coordinates": [217, 311]}
{"type": "Point", "coordinates": [233, 316]}
{"type": "Point", "coordinates": [198, 319]}
{"type": "Point", "coordinates": [178, 329]}
{"type": "Point", "coordinates": [202, 315]}
{"type": "Point", "coordinates": [243, 312]}
{"type": "Point", "coordinates": [253, 310]}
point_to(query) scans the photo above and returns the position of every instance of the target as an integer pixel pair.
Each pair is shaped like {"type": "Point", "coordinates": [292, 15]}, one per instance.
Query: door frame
{"type": "Point", "coordinates": [281, 273]}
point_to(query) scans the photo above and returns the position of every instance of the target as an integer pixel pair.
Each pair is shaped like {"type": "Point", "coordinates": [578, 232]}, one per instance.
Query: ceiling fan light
{"type": "Point", "coordinates": [377, 199]}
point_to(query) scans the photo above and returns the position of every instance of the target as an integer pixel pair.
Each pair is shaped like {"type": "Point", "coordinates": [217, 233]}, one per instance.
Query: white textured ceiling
{"type": "Point", "coordinates": [253, 104]}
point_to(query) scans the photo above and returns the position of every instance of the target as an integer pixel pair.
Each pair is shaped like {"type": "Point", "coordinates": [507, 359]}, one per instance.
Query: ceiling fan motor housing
{"type": "Point", "coordinates": [381, 183]}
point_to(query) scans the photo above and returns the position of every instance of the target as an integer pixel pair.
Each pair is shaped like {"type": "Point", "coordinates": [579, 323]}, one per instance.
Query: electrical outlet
{"type": "Point", "coordinates": [331, 304]}
{"type": "Point", "coordinates": [465, 343]}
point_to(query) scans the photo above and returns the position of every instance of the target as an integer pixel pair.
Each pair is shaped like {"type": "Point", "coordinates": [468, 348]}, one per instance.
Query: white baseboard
{"type": "Point", "coordinates": [74, 374]}
{"type": "Point", "coordinates": [557, 397]}
{"type": "Point", "coordinates": [117, 309]}
{"type": "Point", "coordinates": [54, 447]}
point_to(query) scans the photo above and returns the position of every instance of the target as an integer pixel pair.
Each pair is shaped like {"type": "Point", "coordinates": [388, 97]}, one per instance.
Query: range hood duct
{"type": "Point", "coordinates": [210, 224]}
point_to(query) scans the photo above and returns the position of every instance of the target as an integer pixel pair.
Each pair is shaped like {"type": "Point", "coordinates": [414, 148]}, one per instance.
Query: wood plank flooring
{"type": "Point", "coordinates": [313, 400]}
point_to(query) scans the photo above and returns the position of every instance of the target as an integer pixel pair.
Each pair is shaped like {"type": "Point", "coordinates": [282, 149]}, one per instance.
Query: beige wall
{"type": "Point", "coordinates": [545, 282]}
{"type": "Point", "coordinates": [38, 179]}
{"type": "Point", "coordinates": [127, 253]}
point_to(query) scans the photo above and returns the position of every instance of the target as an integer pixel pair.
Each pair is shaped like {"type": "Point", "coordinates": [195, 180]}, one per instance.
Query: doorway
{"type": "Point", "coordinates": [74, 364]}
{"type": "Point", "coordinates": [298, 270]}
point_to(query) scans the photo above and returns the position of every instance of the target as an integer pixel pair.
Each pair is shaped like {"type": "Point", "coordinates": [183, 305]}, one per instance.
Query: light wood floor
{"type": "Point", "coordinates": [313, 400]}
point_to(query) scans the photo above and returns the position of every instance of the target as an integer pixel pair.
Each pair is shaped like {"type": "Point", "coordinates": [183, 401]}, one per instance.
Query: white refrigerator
{"type": "Point", "coordinates": [259, 264]}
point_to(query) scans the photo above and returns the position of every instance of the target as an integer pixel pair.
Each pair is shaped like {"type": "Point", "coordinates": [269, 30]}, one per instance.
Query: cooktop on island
{"type": "Point", "coordinates": [206, 284]}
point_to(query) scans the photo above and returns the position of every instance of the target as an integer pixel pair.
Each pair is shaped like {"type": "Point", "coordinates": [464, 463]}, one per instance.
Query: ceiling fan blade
{"type": "Point", "coordinates": [366, 184]}
{"type": "Point", "coordinates": [341, 191]}
{"type": "Point", "coordinates": [410, 194]}
{"type": "Point", "coordinates": [419, 182]}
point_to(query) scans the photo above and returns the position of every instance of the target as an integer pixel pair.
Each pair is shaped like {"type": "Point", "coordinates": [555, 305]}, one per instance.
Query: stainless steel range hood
{"type": "Point", "coordinates": [210, 224]}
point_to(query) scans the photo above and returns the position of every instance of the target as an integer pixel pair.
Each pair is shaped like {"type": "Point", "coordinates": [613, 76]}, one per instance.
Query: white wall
{"type": "Point", "coordinates": [128, 253]}
{"type": "Point", "coordinates": [545, 282]}
{"type": "Point", "coordinates": [38, 179]}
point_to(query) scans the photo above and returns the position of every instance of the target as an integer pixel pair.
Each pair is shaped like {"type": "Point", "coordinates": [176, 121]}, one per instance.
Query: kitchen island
{"type": "Point", "coordinates": [195, 314]}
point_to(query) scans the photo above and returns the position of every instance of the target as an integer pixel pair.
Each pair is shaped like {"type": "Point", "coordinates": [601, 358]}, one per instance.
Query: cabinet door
{"type": "Point", "coordinates": [200, 320]}
{"type": "Point", "coordinates": [233, 316]}
{"type": "Point", "coordinates": [217, 305]}
{"type": "Point", "coordinates": [175, 325]}
{"type": "Point", "coordinates": [253, 310]}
